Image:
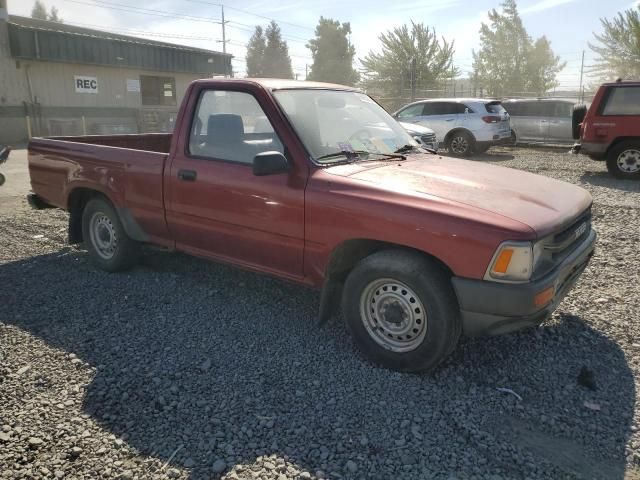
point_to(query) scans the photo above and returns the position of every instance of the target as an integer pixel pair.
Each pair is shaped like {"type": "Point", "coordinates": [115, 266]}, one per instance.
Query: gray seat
{"type": "Point", "coordinates": [225, 139]}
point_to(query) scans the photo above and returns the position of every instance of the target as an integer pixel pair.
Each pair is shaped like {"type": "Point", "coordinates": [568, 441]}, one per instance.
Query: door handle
{"type": "Point", "coordinates": [187, 175]}
{"type": "Point", "coordinates": [449, 120]}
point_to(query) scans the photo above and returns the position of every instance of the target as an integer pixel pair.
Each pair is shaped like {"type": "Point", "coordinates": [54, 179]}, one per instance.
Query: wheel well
{"type": "Point", "coordinates": [78, 199]}
{"type": "Point", "coordinates": [620, 140]}
{"type": "Point", "coordinates": [344, 258]}
{"type": "Point", "coordinates": [456, 130]}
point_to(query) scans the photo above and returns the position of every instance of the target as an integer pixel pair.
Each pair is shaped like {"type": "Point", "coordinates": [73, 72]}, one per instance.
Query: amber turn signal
{"type": "Point", "coordinates": [502, 262]}
{"type": "Point", "coordinates": [544, 297]}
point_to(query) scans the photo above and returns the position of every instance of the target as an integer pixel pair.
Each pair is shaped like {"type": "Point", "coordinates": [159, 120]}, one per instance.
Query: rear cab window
{"type": "Point", "coordinates": [621, 101]}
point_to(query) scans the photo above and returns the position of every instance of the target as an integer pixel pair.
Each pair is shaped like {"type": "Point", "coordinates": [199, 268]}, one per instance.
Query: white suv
{"type": "Point", "coordinates": [462, 125]}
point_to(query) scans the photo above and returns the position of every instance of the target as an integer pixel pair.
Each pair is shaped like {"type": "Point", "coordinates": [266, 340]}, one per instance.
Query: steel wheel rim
{"type": "Point", "coordinates": [629, 161]}
{"type": "Point", "coordinates": [459, 144]}
{"type": "Point", "coordinates": [393, 315]}
{"type": "Point", "coordinates": [103, 235]}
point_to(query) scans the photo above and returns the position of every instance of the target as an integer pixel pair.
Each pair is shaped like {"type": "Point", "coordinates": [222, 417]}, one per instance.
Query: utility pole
{"type": "Point", "coordinates": [306, 70]}
{"type": "Point", "coordinates": [581, 72]}
{"type": "Point", "coordinates": [224, 33]}
{"type": "Point", "coordinates": [412, 78]}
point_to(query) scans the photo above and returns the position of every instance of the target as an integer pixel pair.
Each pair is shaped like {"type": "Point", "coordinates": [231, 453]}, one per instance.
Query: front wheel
{"type": "Point", "coordinates": [108, 244]}
{"type": "Point", "coordinates": [460, 144]}
{"type": "Point", "coordinates": [401, 310]}
{"type": "Point", "coordinates": [623, 160]}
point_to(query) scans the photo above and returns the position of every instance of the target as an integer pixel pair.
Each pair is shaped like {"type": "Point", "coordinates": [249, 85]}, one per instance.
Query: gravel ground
{"type": "Point", "coordinates": [187, 369]}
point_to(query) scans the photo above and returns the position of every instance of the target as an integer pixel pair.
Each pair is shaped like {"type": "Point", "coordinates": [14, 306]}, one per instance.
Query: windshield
{"type": "Point", "coordinates": [332, 121]}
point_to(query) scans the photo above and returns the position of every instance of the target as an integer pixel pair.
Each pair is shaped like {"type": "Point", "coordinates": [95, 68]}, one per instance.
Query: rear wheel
{"type": "Point", "coordinates": [460, 144]}
{"type": "Point", "coordinates": [623, 160]}
{"type": "Point", "coordinates": [401, 310]}
{"type": "Point", "coordinates": [105, 239]}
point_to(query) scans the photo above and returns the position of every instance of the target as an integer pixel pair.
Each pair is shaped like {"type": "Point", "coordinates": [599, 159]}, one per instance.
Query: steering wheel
{"type": "Point", "coordinates": [361, 135]}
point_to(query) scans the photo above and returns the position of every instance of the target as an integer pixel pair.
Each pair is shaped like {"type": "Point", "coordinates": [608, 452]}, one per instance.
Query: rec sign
{"type": "Point", "coordinates": [86, 84]}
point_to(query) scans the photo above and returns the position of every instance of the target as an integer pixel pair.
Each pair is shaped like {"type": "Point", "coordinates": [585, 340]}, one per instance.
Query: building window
{"type": "Point", "coordinates": [158, 90]}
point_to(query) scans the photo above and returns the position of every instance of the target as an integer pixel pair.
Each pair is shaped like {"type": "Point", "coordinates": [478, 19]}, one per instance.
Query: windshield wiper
{"type": "Point", "coordinates": [408, 148]}
{"type": "Point", "coordinates": [355, 155]}
{"type": "Point", "coordinates": [343, 153]}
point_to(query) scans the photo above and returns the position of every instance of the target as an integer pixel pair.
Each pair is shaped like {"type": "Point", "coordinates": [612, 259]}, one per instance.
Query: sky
{"type": "Point", "coordinates": [568, 24]}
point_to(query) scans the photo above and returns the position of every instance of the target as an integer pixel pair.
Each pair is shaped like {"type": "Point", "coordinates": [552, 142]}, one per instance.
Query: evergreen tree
{"type": "Point", "coordinates": [276, 62]}
{"type": "Point", "coordinates": [39, 11]}
{"type": "Point", "coordinates": [332, 53]}
{"type": "Point", "coordinates": [255, 53]}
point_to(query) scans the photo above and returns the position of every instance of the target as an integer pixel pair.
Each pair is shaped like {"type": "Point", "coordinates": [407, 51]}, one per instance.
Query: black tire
{"type": "Point", "coordinates": [433, 289]}
{"type": "Point", "coordinates": [623, 160]}
{"type": "Point", "coordinates": [577, 116]}
{"type": "Point", "coordinates": [125, 251]}
{"type": "Point", "coordinates": [2, 179]}
{"type": "Point", "coordinates": [514, 139]}
{"type": "Point", "coordinates": [463, 139]}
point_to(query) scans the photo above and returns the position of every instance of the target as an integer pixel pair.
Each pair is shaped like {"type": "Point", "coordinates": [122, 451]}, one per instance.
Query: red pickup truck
{"type": "Point", "coordinates": [317, 184]}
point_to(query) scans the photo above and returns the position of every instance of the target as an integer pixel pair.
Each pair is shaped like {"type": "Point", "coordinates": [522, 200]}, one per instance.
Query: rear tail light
{"type": "Point", "coordinates": [491, 119]}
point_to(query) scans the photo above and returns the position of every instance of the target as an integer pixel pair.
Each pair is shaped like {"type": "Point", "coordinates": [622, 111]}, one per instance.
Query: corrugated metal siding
{"type": "Point", "coordinates": [53, 46]}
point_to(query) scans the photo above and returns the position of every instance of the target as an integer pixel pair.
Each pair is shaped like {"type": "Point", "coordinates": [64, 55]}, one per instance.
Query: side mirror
{"type": "Point", "coordinates": [269, 163]}
{"type": "Point", "coordinates": [4, 153]}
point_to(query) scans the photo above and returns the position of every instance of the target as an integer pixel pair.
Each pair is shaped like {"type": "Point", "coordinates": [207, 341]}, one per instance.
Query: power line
{"type": "Point", "coordinates": [125, 31]}
{"type": "Point", "coordinates": [255, 15]}
{"type": "Point", "coordinates": [144, 11]}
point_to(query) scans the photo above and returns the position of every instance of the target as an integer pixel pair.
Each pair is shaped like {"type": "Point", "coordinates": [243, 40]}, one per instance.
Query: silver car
{"type": "Point", "coordinates": [544, 120]}
{"type": "Point", "coordinates": [422, 135]}
{"type": "Point", "coordinates": [462, 125]}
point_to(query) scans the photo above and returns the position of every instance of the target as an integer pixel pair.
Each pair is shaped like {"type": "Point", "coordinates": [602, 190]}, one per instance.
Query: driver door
{"type": "Point", "coordinates": [217, 207]}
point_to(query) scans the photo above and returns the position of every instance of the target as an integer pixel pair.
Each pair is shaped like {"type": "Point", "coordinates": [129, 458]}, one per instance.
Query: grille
{"type": "Point", "coordinates": [553, 249]}
{"type": "Point", "coordinates": [562, 241]}
{"type": "Point", "coordinates": [428, 138]}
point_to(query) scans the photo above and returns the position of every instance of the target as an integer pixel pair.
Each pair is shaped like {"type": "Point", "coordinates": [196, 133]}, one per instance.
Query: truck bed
{"type": "Point", "coordinates": [126, 168]}
{"type": "Point", "coordinates": [150, 142]}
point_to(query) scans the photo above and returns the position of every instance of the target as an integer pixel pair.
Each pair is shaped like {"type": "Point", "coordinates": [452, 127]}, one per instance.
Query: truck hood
{"type": "Point", "coordinates": [542, 203]}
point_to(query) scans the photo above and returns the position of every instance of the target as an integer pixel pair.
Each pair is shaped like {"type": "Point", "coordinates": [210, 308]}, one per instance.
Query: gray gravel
{"type": "Point", "coordinates": [183, 368]}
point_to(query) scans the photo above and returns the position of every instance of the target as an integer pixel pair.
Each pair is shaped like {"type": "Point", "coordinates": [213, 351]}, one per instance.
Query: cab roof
{"type": "Point", "coordinates": [284, 84]}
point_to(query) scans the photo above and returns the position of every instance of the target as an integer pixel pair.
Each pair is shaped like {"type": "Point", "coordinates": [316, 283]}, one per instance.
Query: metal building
{"type": "Point", "coordinates": [58, 79]}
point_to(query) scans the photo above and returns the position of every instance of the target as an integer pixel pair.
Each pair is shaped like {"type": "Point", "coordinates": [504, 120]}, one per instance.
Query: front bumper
{"type": "Point", "coordinates": [492, 308]}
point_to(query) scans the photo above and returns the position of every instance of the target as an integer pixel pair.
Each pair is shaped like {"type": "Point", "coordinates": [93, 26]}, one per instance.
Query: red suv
{"type": "Point", "coordinates": [610, 129]}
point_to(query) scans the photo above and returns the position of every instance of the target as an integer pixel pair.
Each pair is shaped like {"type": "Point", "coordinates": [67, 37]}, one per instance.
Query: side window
{"type": "Point", "coordinates": [622, 101]}
{"type": "Point", "coordinates": [430, 108]}
{"type": "Point", "coordinates": [454, 108]}
{"type": "Point", "coordinates": [564, 109]}
{"type": "Point", "coordinates": [528, 109]}
{"type": "Point", "coordinates": [231, 126]}
{"type": "Point", "coordinates": [547, 109]}
{"type": "Point", "coordinates": [411, 111]}
{"type": "Point", "coordinates": [513, 108]}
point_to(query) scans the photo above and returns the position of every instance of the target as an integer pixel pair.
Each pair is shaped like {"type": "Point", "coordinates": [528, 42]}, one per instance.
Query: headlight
{"type": "Point", "coordinates": [512, 262]}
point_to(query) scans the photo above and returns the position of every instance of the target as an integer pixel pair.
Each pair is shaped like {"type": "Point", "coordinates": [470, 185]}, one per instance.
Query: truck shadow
{"type": "Point", "coordinates": [228, 365]}
{"type": "Point", "coordinates": [605, 179]}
